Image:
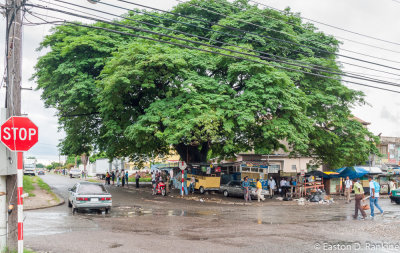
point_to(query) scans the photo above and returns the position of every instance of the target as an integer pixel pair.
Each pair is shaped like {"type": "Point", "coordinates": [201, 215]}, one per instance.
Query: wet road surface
{"type": "Point", "coordinates": [140, 222]}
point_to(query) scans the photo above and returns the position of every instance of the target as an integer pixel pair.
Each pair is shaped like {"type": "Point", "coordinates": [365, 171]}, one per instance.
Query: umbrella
{"type": "Point", "coordinates": [351, 172]}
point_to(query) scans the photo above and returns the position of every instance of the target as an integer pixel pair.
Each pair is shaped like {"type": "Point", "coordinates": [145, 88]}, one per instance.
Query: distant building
{"type": "Point", "coordinates": [389, 148]}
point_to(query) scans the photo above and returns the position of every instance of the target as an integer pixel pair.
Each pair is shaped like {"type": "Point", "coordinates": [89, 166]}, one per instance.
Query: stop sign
{"type": "Point", "coordinates": [19, 133]}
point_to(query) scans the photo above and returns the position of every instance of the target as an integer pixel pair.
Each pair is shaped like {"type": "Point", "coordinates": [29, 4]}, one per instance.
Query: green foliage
{"type": "Point", "coordinates": [132, 97]}
{"type": "Point", "coordinates": [40, 165]}
{"type": "Point", "coordinates": [96, 156]}
{"type": "Point", "coordinates": [53, 165]}
{"type": "Point", "coordinates": [28, 185]}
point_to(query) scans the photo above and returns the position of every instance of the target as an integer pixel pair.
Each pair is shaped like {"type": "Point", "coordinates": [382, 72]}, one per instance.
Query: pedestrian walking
{"type": "Point", "coordinates": [113, 176]}
{"type": "Point", "coordinates": [108, 178]}
{"type": "Point", "coordinates": [123, 177]}
{"type": "Point", "coordinates": [348, 186]}
{"type": "Point", "coordinates": [374, 189]}
{"type": "Point", "coordinates": [259, 189]}
{"type": "Point", "coordinates": [117, 175]}
{"type": "Point", "coordinates": [392, 185]}
{"type": "Point", "coordinates": [246, 186]}
{"type": "Point", "coordinates": [359, 195]}
{"type": "Point", "coordinates": [167, 184]}
{"type": "Point", "coordinates": [137, 177]}
{"type": "Point", "coordinates": [127, 179]}
{"type": "Point", "coordinates": [153, 182]}
{"type": "Point", "coordinates": [272, 186]}
{"type": "Point", "coordinates": [283, 186]}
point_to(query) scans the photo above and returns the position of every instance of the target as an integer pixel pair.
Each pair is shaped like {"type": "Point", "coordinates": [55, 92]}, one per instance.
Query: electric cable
{"type": "Point", "coordinates": [332, 26]}
{"type": "Point", "coordinates": [192, 26]}
{"type": "Point", "coordinates": [203, 50]}
{"type": "Point", "coordinates": [317, 67]}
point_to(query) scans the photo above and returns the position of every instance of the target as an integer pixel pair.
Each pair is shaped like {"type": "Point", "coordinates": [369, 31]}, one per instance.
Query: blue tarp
{"type": "Point", "coordinates": [351, 172]}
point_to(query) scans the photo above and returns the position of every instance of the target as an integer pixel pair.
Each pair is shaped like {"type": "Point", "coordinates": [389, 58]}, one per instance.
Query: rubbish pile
{"type": "Point", "coordinates": [320, 197]}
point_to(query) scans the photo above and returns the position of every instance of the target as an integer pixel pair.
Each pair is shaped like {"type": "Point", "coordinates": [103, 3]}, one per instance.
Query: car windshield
{"type": "Point", "coordinates": [75, 171]}
{"type": "Point", "coordinates": [91, 189]}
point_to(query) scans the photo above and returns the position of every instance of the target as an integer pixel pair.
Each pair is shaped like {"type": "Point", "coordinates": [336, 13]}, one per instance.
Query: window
{"type": "Point", "coordinates": [274, 168]}
{"type": "Point", "coordinates": [91, 189]}
{"type": "Point", "coordinates": [294, 167]}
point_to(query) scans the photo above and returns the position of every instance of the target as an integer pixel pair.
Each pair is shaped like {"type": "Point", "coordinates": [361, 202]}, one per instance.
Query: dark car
{"type": "Point", "coordinates": [234, 188]}
{"type": "Point", "coordinates": [41, 172]}
{"type": "Point", "coordinates": [395, 196]}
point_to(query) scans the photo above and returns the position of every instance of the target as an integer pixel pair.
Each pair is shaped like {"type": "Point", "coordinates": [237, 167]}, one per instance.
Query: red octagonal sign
{"type": "Point", "coordinates": [19, 133]}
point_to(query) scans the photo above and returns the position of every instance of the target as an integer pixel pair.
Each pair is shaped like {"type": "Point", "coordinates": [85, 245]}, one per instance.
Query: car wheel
{"type": "Point", "coordinates": [69, 204]}
{"type": "Point", "coordinates": [108, 210]}
{"type": "Point", "coordinates": [226, 194]}
{"type": "Point", "coordinates": [201, 189]}
{"type": "Point", "coordinates": [398, 202]}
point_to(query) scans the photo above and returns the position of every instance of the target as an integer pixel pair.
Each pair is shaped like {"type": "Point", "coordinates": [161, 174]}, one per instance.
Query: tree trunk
{"type": "Point", "coordinates": [193, 154]}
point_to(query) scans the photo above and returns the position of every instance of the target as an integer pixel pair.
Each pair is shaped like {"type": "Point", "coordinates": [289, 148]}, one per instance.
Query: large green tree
{"type": "Point", "coordinates": [133, 97]}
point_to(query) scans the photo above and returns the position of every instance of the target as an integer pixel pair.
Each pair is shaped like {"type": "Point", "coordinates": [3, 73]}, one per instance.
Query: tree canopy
{"type": "Point", "coordinates": [128, 96]}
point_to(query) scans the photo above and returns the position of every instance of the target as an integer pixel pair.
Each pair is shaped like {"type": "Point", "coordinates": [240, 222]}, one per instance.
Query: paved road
{"type": "Point", "coordinates": [140, 222]}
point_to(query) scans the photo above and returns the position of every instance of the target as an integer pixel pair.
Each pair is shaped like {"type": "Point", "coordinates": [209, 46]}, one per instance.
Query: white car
{"type": "Point", "coordinates": [85, 195]}
{"type": "Point", "coordinates": [75, 173]}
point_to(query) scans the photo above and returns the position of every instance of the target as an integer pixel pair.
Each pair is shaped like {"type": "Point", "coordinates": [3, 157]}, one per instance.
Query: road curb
{"type": "Point", "coordinates": [62, 202]}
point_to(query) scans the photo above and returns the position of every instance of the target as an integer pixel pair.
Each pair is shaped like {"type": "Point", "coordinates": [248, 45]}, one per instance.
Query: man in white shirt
{"type": "Point", "coordinates": [348, 186]}
{"type": "Point", "coordinates": [392, 185]}
{"type": "Point", "coordinates": [374, 196]}
{"type": "Point", "coordinates": [283, 187]}
{"type": "Point", "coordinates": [272, 185]}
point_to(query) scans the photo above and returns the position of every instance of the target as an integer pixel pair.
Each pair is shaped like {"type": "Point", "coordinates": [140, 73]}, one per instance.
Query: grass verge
{"type": "Point", "coordinates": [28, 185]}
{"type": "Point", "coordinates": [47, 188]}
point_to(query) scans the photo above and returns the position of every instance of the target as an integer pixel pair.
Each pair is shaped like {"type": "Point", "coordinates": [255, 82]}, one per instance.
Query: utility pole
{"type": "Point", "coordinates": [13, 101]}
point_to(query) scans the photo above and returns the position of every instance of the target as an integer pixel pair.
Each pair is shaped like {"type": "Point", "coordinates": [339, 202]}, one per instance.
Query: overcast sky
{"type": "Point", "coordinates": [371, 17]}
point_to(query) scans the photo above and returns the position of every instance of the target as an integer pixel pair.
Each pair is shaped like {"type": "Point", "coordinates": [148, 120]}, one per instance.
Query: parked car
{"type": "Point", "coordinates": [395, 196]}
{"type": "Point", "coordinates": [86, 195]}
{"type": "Point", "coordinates": [40, 172]}
{"type": "Point", "coordinates": [75, 173]}
{"type": "Point", "coordinates": [234, 188]}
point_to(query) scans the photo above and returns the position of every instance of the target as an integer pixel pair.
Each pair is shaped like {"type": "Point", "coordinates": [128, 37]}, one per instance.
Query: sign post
{"type": "Point", "coordinates": [19, 134]}
{"type": "Point", "coordinates": [182, 166]}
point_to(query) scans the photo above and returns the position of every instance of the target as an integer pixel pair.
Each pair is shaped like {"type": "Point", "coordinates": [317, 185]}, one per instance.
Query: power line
{"type": "Point", "coordinates": [318, 67]}
{"type": "Point", "coordinates": [332, 26]}
{"type": "Point", "coordinates": [195, 48]}
{"type": "Point", "coordinates": [265, 36]}
{"type": "Point", "coordinates": [294, 36]}
{"type": "Point", "coordinates": [215, 31]}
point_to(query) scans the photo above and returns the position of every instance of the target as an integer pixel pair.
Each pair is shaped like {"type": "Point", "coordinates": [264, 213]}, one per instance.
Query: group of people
{"type": "Point", "coordinates": [160, 176]}
{"type": "Point", "coordinates": [359, 196]}
{"type": "Point", "coordinates": [122, 178]}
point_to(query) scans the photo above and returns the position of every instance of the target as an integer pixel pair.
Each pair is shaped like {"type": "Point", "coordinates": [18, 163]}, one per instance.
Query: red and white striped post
{"type": "Point", "coordinates": [182, 181]}
{"type": "Point", "coordinates": [182, 166]}
{"type": "Point", "coordinates": [20, 175]}
{"type": "Point", "coordinates": [19, 134]}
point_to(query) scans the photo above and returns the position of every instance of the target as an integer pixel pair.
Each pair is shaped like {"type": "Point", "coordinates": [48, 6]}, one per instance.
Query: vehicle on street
{"type": "Point", "coordinates": [160, 188]}
{"type": "Point", "coordinates": [30, 166]}
{"type": "Point", "coordinates": [234, 189]}
{"type": "Point", "coordinates": [40, 172]}
{"type": "Point", "coordinates": [395, 196]}
{"type": "Point", "coordinates": [75, 173]}
{"type": "Point", "coordinates": [87, 195]}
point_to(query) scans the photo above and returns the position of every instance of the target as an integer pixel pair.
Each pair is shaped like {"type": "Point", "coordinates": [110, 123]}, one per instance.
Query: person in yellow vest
{"type": "Point", "coordinates": [359, 192]}
{"type": "Point", "coordinates": [259, 189]}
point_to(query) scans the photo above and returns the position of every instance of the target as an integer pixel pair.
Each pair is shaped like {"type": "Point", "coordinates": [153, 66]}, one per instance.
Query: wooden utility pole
{"type": "Point", "coordinates": [13, 100]}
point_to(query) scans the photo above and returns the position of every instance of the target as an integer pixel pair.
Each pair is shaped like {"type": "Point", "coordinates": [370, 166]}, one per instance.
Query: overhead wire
{"type": "Point", "coordinates": [316, 67]}
{"type": "Point", "coordinates": [265, 36]}
{"type": "Point", "coordinates": [195, 48]}
{"type": "Point", "coordinates": [278, 31]}
{"type": "Point", "coordinates": [332, 26]}
{"type": "Point", "coordinates": [208, 29]}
